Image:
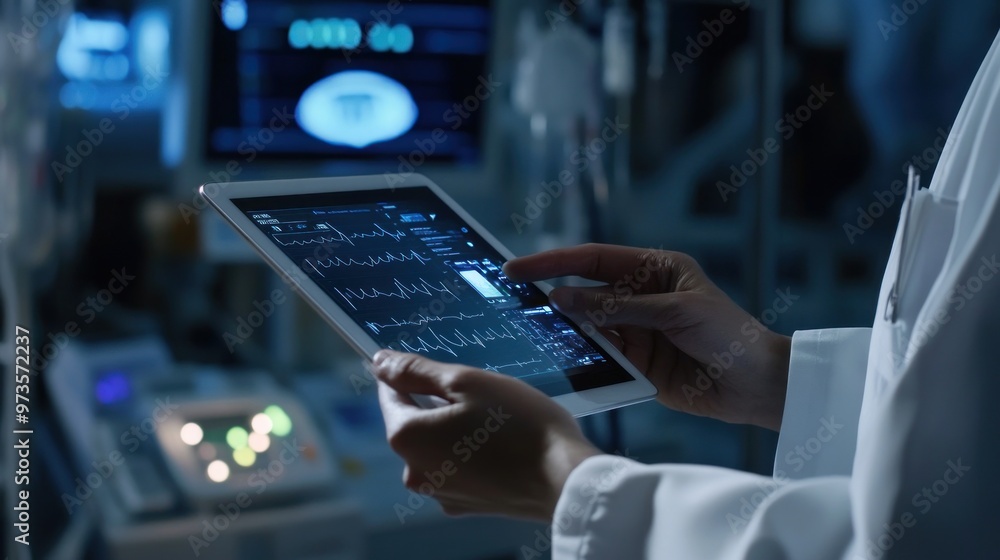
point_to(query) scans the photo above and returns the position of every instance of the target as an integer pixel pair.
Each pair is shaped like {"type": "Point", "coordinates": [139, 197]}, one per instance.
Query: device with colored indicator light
{"type": "Point", "coordinates": [266, 447]}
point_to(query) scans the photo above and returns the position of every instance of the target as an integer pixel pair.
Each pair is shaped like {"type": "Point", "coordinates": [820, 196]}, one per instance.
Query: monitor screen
{"type": "Point", "coordinates": [368, 81]}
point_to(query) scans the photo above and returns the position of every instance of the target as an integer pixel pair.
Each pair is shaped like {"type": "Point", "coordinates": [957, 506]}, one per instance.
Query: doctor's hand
{"type": "Point", "coordinates": [704, 354]}
{"type": "Point", "coordinates": [498, 447]}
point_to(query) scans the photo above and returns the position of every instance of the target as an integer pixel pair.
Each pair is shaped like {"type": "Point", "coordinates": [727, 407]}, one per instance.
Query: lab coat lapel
{"type": "Point", "coordinates": [958, 150]}
{"type": "Point", "coordinates": [967, 174]}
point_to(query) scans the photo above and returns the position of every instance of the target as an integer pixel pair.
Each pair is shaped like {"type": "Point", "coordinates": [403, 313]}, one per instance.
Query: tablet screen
{"type": "Point", "coordinates": [416, 278]}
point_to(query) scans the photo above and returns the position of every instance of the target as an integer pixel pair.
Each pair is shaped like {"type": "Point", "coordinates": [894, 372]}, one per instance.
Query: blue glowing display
{"type": "Point", "coordinates": [100, 55]}
{"type": "Point", "coordinates": [331, 33]}
{"type": "Point", "coordinates": [234, 14]}
{"type": "Point", "coordinates": [378, 80]}
{"type": "Point", "coordinates": [92, 49]}
{"type": "Point", "coordinates": [345, 33]}
{"type": "Point", "coordinates": [398, 38]}
{"type": "Point", "coordinates": [356, 108]}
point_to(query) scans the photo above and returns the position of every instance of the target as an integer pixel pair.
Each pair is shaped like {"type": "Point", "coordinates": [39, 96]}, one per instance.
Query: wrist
{"type": "Point", "coordinates": [779, 351]}
{"type": "Point", "coordinates": [562, 460]}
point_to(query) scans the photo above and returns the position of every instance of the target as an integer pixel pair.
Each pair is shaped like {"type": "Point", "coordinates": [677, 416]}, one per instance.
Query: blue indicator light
{"type": "Point", "coordinates": [234, 14]}
{"type": "Point", "coordinates": [112, 387]}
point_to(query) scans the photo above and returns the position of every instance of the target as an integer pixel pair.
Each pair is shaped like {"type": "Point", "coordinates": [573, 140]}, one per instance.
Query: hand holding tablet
{"type": "Point", "coordinates": [407, 269]}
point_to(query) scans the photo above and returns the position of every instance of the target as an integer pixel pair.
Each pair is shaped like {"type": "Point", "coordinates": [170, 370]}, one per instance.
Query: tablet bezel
{"type": "Point", "coordinates": [220, 196]}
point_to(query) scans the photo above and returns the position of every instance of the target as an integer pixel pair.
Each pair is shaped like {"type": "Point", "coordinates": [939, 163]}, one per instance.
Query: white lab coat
{"type": "Point", "coordinates": [888, 445]}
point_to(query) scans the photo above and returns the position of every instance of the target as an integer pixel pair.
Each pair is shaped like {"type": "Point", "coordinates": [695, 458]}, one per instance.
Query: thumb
{"type": "Point", "coordinates": [604, 308]}
{"type": "Point", "coordinates": [410, 373]}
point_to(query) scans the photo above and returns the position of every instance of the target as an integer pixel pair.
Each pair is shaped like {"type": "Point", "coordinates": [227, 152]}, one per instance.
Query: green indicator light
{"type": "Point", "coordinates": [281, 424]}
{"type": "Point", "coordinates": [236, 437]}
{"type": "Point", "coordinates": [244, 456]}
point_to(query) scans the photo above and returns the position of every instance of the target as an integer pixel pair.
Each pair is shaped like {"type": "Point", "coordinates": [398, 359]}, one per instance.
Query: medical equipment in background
{"type": "Point", "coordinates": [180, 459]}
{"type": "Point", "coordinates": [160, 450]}
{"type": "Point", "coordinates": [619, 69]}
{"type": "Point", "coordinates": [301, 88]}
{"type": "Point", "coordinates": [26, 208]}
{"type": "Point", "coordinates": [556, 93]}
{"type": "Point", "coordinates": [567, 89]}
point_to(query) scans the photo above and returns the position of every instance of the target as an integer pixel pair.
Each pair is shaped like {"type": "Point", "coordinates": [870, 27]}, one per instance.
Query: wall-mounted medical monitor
{"type": "Point", "coordinates": [347, 81]}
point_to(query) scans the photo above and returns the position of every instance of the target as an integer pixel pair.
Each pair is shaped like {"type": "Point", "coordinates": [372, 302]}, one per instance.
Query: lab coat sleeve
{"type": "Point", "coordinates": [826, 380]}
{"type": "Point", "coordinates": [613, 507]}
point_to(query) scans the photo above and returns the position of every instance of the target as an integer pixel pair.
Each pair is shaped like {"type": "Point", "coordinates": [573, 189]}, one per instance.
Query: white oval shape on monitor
{"type": "Point", "coordinates": [356, 108]}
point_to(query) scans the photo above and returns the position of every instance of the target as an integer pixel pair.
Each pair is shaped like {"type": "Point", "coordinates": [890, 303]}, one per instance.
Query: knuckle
{"type": "Point", "coordinates": [621, 298]}
{"type": "Point", "coordinates": [404, 363]}
{"type": "Point", "coordinates": [659, 263]}
{"type": "Point", "coordinates": [610, 299]}
{"type": "Point", "coordinates": [651, 258]}
{"type": "Point", "coordinates": [679, 260]}
{"type": "Point", "coordinates": [461, 379]}
{"type": "Point", "coordinates": [677, 266]}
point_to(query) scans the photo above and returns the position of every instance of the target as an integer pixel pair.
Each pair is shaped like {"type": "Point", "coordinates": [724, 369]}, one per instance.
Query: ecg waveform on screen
{"type": "Point", "coordinates": [401, 291]}
{"type": "Point", "coordinates": [515, 363]}
{"type": "Point", "coordinates": [447, 343]}
{"type": "Point", "coordinates": [334, 235]}
{"type": "Point", "coordinates": [371, 261]}
{"type": "Point", "coordinates": [418, 321]}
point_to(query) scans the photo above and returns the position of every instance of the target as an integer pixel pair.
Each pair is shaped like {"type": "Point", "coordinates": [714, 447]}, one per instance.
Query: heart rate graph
{"type": "Point", "coordinates": [457, 339]}
{"type": "Point", "coordinates": [419, 320]}
{"type": "Point", "coordinates": [334, 236]}
{"type": "Point", "coordinates": [372, 261]}
{"type": "Point", "coordinates": [400, 290]}
{"type": "Point", "coordinates": [514, 364]}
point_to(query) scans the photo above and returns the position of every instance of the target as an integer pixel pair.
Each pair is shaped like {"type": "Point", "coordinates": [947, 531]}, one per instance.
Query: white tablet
{"type": "Point", "coordinates": [406, 268]}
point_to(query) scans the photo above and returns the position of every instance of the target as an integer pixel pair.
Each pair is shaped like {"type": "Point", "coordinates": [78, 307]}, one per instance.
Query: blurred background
{"type": "Point", "coordinates": [766, 138]}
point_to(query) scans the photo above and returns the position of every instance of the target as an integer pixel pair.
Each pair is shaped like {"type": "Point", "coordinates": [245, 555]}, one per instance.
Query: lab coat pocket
{"type": "Point", "coordinates": [924, 249]}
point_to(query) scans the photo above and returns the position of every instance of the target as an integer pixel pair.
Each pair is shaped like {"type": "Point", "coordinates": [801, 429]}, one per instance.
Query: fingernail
{"type": "Point", "coordinates": [380, 357]}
